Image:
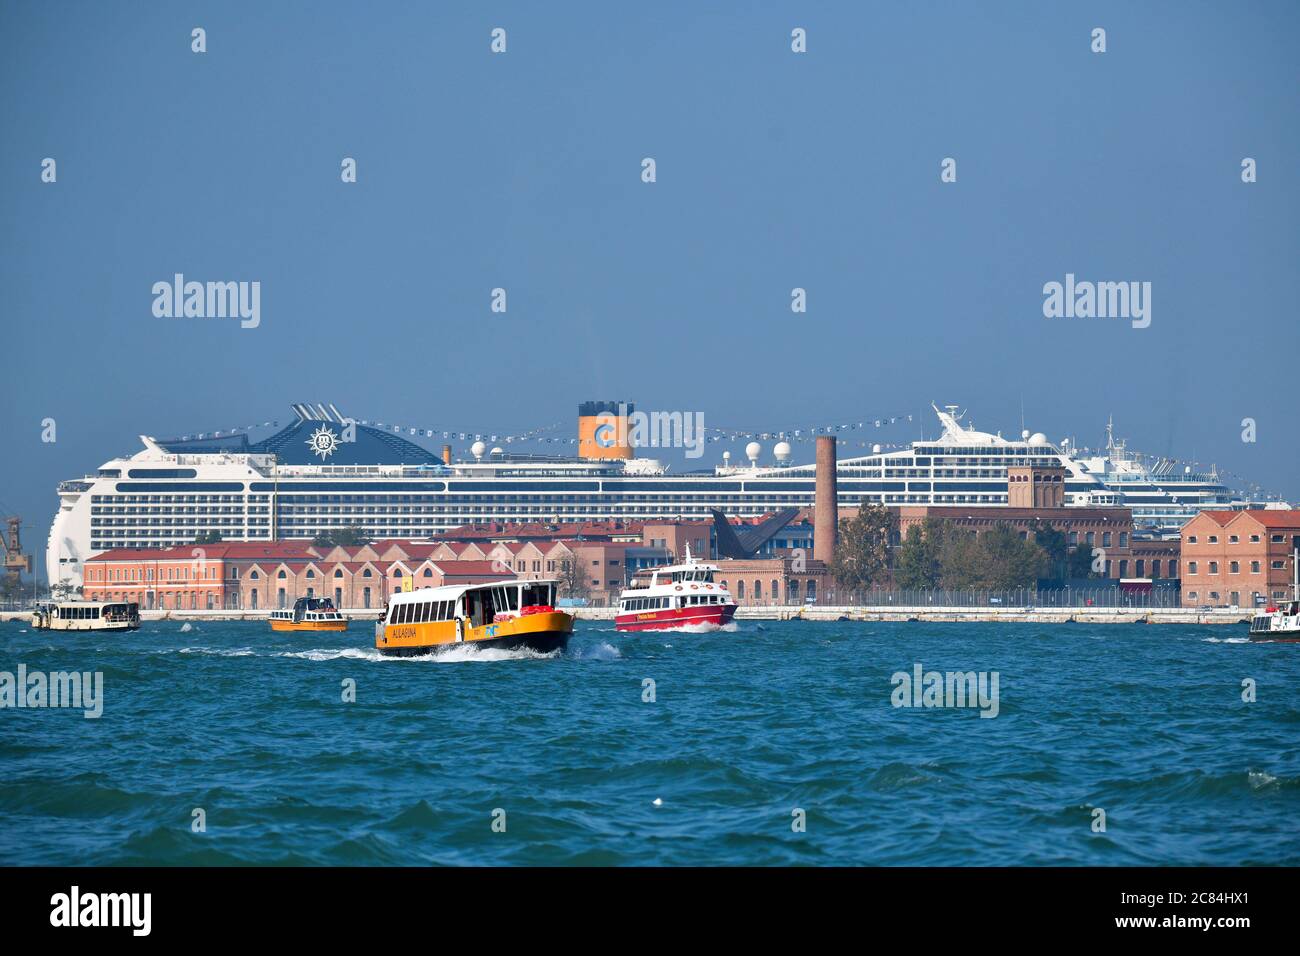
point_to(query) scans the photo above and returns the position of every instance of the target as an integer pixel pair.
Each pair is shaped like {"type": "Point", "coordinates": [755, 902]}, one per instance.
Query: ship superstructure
{"type": "Point", "coordinates": [325, 471]}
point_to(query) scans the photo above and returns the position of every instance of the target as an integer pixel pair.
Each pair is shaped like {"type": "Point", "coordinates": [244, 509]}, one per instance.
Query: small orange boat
{"type": "Point", "coordinates": [309, 614]}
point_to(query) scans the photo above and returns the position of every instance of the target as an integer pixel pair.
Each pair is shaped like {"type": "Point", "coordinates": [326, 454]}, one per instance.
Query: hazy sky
{"type": "Point", "coordinates": [775, 170]}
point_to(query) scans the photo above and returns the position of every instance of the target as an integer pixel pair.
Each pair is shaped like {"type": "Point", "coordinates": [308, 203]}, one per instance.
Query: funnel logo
{"type": "Point", "coordinates": [322, 442]}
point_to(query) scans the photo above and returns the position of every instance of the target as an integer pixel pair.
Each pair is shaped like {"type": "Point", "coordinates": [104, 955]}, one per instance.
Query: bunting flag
{"type": "Point", "coordinates": [844, 431]}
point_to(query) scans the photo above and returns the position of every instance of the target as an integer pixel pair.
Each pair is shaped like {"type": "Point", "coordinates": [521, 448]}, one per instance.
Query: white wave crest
{"type": "Point", "coordinates": [220, 651]}
{"type": "Point", "coordinates": [604, 651]}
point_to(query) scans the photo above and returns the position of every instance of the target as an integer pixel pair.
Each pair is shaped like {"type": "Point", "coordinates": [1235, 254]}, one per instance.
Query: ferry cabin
{"type": "Point", "coordinates": [88, 616]}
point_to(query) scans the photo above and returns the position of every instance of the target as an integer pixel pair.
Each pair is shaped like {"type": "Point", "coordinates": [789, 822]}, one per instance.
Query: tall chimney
{"type": "Point", "coordinates": [826, 512]}
{"type": "Point", "coordinates": [446, 454]}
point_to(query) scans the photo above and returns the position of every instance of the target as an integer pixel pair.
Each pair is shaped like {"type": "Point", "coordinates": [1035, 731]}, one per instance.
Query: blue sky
{"type": "Point", "coordinates": [775, 171]}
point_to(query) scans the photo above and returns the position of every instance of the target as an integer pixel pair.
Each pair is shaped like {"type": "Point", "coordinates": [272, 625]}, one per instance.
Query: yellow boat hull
{"type": "Point", "coordinates": [545, 632]}
{"type": "Point", "coordinates": [309, 625]}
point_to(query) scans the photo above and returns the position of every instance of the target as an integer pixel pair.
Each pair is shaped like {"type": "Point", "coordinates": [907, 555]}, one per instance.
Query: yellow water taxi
{"type": "Point", "coordinates": [504, 614]}
{"type": "Point", "coordinates": [309, 614]}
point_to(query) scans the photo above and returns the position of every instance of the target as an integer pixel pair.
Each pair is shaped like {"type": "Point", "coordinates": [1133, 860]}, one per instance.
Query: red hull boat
{"type": "Point", "coordinates": [679, 595]}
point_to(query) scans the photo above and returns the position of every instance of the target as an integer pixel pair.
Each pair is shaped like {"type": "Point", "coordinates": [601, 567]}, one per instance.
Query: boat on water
{"type": "Point", "coordinates": [506, 615]}
{"type": "Point", "coordinates": [1280, 621]}
{"type": "Point", "coordinates": [87, 616]}
{"type": "Point", "coordinates": [309, 614]}
{"type": "Point", "coordinates": [675, 595]}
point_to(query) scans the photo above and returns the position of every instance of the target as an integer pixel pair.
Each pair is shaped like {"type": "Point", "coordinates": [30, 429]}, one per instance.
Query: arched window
{"type": "Point", "coordinates": [428, 572]}
{"type": "Point", "coordinates": [740, 589]}
{"type": "Point", "coordinates": [758, 589]}
{"type": "Point", "coordinates": [253, 574]}
{"type": "Point", "coordinates": [311, 573]}
{"type": "Point", "coordinates": [338, 572]}
{"type": "Point", "coordinates": [366, 574]}
{"type": "Point", "coordinates": [282, 575]}
{"type": "Point", "coordinates": [397, 572]}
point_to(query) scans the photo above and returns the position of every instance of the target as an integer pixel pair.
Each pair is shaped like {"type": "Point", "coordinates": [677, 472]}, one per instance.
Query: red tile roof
{"type": "Point", "coordinates": [1268, 517]}
{"type": "Point", "coordinates": [233, 550]}
{"type": "Point", "coordinates": [1277, 518]}
{"type": "Point", "coordinates": [461, 568]}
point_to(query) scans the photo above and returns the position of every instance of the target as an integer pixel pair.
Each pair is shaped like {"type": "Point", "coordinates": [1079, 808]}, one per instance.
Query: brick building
{"type": "Point", "coordinates": [1240, 558]}
{"type": "Point", "coordinates": [267, 575]}
{"type": "Point", "coordinates": [1110, 529]}
{"type": "Point", "coordinates": [786, 579]}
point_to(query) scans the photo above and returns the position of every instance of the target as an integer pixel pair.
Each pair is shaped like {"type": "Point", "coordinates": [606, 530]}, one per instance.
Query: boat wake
{"type": "Point", "coordinates": [604, 651]}
{"type": "Point", "coordinates": [333, 654]}
{"type": "Point", "coordinates": [1226, 640]}
{"type": "Point", "coordinates": [729, 628]}
{"type": "Point", "coordinates": [219, 651]}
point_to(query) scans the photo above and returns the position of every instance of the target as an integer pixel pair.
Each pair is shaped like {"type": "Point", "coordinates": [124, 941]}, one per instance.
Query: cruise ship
{"type": "Point", "coordinates": [326, 471]}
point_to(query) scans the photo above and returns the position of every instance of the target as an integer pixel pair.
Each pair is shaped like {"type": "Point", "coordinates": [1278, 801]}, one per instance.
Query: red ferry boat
{"type": "Point", "coordinates": [677, 595]}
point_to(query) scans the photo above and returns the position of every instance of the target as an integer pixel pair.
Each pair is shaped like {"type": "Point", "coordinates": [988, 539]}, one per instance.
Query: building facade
{"type": "Point", "coordinates": [1242, 558]}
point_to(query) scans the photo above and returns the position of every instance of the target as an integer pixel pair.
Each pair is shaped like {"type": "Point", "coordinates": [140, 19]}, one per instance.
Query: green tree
{"type": "Point", "coordinates": [1011, 561]}
{"type": "Point", "coordinates": [1079, 564]}
{"type": "Point", "coordinates": [349, 537]}
{"type": "Point", "coordinates": [862, 553]}
{"type": "Point", "coordinates": [1054, 545]}
{"type": "Point", "coordinates": [961, 560]}
{"type": "Point", "coordinates": [918, 560]}
{"type": "Point", "coordinates": [208, 537]}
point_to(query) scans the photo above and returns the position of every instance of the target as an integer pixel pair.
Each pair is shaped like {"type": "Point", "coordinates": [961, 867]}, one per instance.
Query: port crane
{"type": "Point", "coordinates": [15, 563]}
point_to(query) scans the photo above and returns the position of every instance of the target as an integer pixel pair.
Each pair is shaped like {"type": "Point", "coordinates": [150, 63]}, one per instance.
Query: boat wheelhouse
{"type": "Point", "coordinates": [87, 616]}
{"type": "Point", "coordinates": [676, 595]}
{"type": "Point", "coordinates": [503, 614]}
{"type": "Point", "coordinates": [309, 614]}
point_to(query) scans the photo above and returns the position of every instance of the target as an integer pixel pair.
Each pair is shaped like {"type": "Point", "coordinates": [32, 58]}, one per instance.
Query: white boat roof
{"type": "Point", "coordinates": [451, 591]}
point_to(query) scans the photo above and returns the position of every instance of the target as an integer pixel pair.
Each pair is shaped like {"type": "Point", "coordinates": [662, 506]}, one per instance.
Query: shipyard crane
{"type": "Point", "coordinates": [16, 563]}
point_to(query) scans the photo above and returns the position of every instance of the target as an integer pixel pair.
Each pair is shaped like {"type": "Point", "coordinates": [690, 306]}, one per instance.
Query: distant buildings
{"type": "Point", "coordinates": [1240, 558]}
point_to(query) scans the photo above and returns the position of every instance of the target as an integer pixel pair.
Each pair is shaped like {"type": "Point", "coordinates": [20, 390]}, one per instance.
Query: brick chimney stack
{"type": "Point", "coordinates": [826, 512]}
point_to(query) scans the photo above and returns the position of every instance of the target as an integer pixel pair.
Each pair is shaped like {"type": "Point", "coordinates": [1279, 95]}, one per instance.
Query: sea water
{"type": "Point", "coordinates": [767, 743]}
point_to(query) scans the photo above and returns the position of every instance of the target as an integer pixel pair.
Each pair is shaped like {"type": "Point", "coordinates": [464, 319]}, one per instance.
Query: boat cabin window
{"type": "Point", "coordinates": [542, 594]}
{"type": "Point", "coordinates": [78, 613]}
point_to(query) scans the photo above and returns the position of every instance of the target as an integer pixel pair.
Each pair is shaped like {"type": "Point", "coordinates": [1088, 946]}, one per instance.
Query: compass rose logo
{"type": "Point", "coordinates": [322, 442]}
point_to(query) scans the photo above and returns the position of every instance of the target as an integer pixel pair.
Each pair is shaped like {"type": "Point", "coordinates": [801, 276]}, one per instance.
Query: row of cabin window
{"type": "Point", "coordinates": [78, 613]}
{"type": "Point", "coordinates": [422, 612]}
{"type": "Point", "coordinates": [658, 603]}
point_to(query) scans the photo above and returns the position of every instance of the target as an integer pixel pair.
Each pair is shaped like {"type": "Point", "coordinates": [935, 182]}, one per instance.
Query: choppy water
{"type": "Point", "coordinates": [1145, 722]}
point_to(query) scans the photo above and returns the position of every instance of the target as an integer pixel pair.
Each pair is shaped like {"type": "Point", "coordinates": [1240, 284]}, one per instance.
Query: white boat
{"type": "Point", "coordinates": [87, 616]}
{"type": "Point", "coordinates": [1280, 621]}
{"type": "Point", "coordinates": [674, 596]}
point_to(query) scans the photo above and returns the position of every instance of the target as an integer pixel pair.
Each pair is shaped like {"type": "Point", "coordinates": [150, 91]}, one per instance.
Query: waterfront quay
{"type": "Point", "coordinates": [1008, 615]}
